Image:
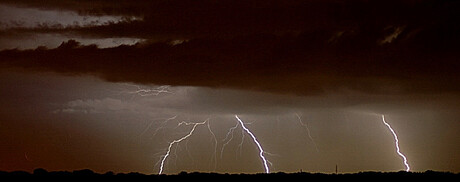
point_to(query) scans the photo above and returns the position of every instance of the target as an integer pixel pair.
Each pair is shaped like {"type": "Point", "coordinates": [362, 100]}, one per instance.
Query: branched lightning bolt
{"type": "Point", "coordinates": [308, 132]}
{"type": "Point", "coordinates": [396, 143]}
{"type": "Point", "coordinates": [229, 133]}
{"type": "Point", "coordinates": [178, 141]}
{"type": "Point", "coordinates": [165, 89]}
{"type": "Point", "coordinates": [261, 150]}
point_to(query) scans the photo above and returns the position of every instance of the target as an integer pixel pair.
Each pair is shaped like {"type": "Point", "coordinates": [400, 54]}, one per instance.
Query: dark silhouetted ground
{"type": "Point", "coordinates": [86, 174]}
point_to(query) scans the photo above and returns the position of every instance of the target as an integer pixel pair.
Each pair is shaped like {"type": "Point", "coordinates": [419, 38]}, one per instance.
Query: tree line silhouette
{"type": "Point", "coordinates": [89, 174]}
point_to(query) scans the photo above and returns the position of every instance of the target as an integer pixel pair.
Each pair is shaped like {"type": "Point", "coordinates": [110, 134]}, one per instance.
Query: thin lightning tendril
{"type": "Point", "coordinates": [214, 157]}
{"type": "Point", "coordinates": [159, 128]}
{"type": "Point", "coordinates": [261, 150]}
{"type": "Point", "coordinates": [396, 143]}
{"type": "Point", "coordinates": [188, 152]}
{"type": "Point", "coordinates": [240, 146]}
{"type": "Point", "coordinates": [229, 133]}
{"type": "Point", "coordinates": [148, 91]}
{"type": "Point", "coordinates": [308, 132]}
{"type": "Point", "coordinates": [175, 154]}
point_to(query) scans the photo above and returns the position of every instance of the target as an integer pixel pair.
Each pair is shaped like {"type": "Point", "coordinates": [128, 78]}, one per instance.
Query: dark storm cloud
{"type": "Point", "coordinates": [87, 7]}
{"type": "Point", "coordinates": [191, 19]}
{"type": "Point", "coordinates": [300, 47]}
{"type": "Point", "coordinates": [303, 64]}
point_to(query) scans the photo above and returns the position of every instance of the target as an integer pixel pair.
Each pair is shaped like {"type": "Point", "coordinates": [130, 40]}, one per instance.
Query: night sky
{"type": "Point", "coordinates": [94, 84]}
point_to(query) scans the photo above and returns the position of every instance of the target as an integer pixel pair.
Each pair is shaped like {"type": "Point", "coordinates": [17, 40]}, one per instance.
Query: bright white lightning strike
{"type": "Point", "coordinates": [261, 150]}
{"type": "Point", "coordinates": [178, 141]}
{"type": "Point", "coordinates": [396, 143]}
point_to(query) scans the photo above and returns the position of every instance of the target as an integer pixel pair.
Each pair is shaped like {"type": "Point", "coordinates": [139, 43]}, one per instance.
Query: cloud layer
{"type": "Point", "coordinates": [299, 47]}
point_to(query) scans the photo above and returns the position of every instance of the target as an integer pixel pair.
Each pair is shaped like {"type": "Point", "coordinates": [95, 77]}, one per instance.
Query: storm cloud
{"type": "Point", "coordinates": [301, 64]}
{"type": "Point", "coordinates": [299, 47]}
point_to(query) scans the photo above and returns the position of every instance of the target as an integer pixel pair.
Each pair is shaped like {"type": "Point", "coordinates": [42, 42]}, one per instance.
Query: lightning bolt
{"type": "Point", "coordinates": [261, 150]}
{"type": "Point", "coordinates": [165, 89]}
{"type": "Point", "coordinates": [178, 141]}
{"type": "Point", "coordinates": [308, 132]}
{"type": "Point", "coordinates": [396, 143]}
{"type": "Point", "coordinates": [155, 91]}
